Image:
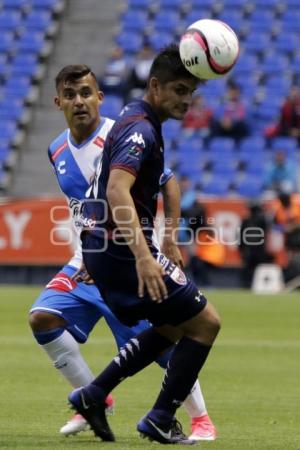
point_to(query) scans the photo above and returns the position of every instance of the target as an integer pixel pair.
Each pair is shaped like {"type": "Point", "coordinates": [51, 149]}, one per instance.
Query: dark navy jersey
{"type": "Point", "coordinates": [134, 144]}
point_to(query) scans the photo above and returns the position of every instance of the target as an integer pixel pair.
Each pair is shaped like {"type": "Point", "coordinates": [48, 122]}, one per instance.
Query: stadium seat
{"type": "Point", "coordinates": [11, 109]}
{"type": "Point", "coordinates": [159, 40]}
{"type": "Point", "coordinates": [252, 144]}
{"type": "Point", "coordinates": [246, 65]}
{"type": "Point", "coordinates": [112, 106]}
{"type": "Point", "coordinates": [44, 4]}
{"type": "Point", "coordinates": [259, 42]}
{"type": "Point", "coordinates": [288, 44]}
{"type": "Point", "coordinates": [134, 20]}
{"type": "Point", "coordinates": [131, 42]}
{"type": "Point", "coordinates": [16, 4]}
{"type": "Point", "coordinates": [31, 42]}
{"type": "Point", "coordinates": [221, 144]}
{"type": "Point", "coordinates": [287, 144]}
{"type": "Point", "coordinates": [7, 129]}
{"type": "Point", "coordinates": [274, 63]}
{"type": "Point", "coordinates": [10, 20]}
{"type": "Point", "coordinates": [7, 42]}
{"type": "Point", "coordinates": [197, 14]}
{"type": "Point", "coordinates": [171, 129]}
{"type": "Point", "coordinates": [217, 186]}
{"type": "Point", "coordinates": [250, 187]}
{"type": "Point", "coordinates": [277, 86]}
{"type": "Point", "coordinates": [171, 4]}
{"type": "Point", "coordinates": [166, 21]}
{"type": "Point", "coordinates": [38, 20]}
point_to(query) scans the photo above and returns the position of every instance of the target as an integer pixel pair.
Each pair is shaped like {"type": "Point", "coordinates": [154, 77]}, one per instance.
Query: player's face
{"type": "Point", "coordinates": [173, 99]}
{"type": "Point", "coordinates": [80, 101]}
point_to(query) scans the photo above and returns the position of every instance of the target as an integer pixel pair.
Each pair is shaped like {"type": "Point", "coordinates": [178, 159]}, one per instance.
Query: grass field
{"type": "Point", "coordinates": [251, 380]}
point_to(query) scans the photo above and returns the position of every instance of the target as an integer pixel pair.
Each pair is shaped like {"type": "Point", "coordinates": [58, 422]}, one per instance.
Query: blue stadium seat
{"type": "Point", "coordinates": [265, 16]}
{"type": "Point", "coordinates": [171, 129]}
{"type": "Point", "coordinates": [287, 144]}
{"type": "Point", "coordinates": [7, 129]}
{"type": "Point", "coordinates": [131, 42]}
{"type": "Point", "coordinates": [159, 40]}
{"type": "Point", "coordinates": [259, 42]}
{"type": "Point", "coordinates": [246, 65]}
{"type": "Point", "coordinates": [38, 20]}
{"type": "Point", "coordinates": [166, 21]}
{"type": "Point", "coordinates": [250, 187]}
{"type": "Point", "coordinates": [221, 144]}
{"type": "Point", "coordinates": [7, 42]}
{"type": "Point", "coordinates": [274, 63]}
{"type": "Point", "coordinates": [112, 106]}
{"type": "Point", "coordinates": [288, 44]}
{"type": "Point", "coordinates": [31, 42]}
{"type": "Point", "coordinates": [197, 14]}
{"type": "Point", "coordinates": [277, 86]}
{"type": "Point", "coordinates": [134, 20]}
{"type": "Point", "coordinates": [12, 110]}
{"type": "Point", "coordinates": [10, 20]}
{"type": "Point", "coordinates": [295, 65]}
{"type": "Point", "coordinates": [44, 4]}
{"type": "Point", "coordinates": [16, 4]}
{"type": "Point", "coordinates": [252, 144]}
{"type": "Point", "coordinates": [18, 87]}
{"type": "Point", "coordinates": [170, 4]}
{"type": "Point", "coordinates": [218, 186]}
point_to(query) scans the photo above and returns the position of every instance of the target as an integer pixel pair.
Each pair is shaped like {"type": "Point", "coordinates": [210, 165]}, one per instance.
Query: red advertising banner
{"type": "Point", "coordinates": [35, 231]}
{"type": "Point", "coordinates": [39, 230]}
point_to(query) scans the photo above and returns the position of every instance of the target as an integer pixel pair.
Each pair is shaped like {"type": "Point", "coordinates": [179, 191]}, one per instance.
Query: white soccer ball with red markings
{"type": "Point", "coordinates": [209, 49]}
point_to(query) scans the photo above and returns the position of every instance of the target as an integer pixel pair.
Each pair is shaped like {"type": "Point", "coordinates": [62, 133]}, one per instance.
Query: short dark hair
{"type": "Point", "coordinates": [167, 65]}
{"type": "Point", "coordinates": [72, 73]}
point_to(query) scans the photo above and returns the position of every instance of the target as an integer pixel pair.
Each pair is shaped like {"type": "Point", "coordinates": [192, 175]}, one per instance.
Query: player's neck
{"type": "Point", "coordinates": [81, 134]}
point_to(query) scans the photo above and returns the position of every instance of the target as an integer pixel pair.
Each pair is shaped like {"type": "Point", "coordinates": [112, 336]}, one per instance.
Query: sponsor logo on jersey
{"type": "Point", "coordinates": [61, 167]}
{"type": "Point", "coordinates": [99, 142]}
{"type": "Point", "coordinates": [136, 138]}
{"type": "Point", "coordinates": [61, 282]}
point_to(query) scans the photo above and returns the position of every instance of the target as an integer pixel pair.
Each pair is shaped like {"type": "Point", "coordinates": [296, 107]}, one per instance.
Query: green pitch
{"type": "Point", "coordinates": [251, 380]}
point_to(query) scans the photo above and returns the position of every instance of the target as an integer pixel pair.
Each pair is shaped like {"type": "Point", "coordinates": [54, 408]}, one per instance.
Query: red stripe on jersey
{"type": "Point", "coordinates": [59, 150]}
{"type": "Point", "coordinates": [99, 142]}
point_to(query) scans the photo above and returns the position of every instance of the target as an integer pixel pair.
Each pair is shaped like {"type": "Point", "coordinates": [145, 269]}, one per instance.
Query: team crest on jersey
{"type": "Point", "coordinates": [61, 282]}
{"type": "Point", "coordinates": [178, 276]}
{"type": "Point", "coordinates": [136, 138]}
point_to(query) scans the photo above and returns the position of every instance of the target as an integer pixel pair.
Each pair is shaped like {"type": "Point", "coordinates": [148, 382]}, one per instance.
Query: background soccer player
{"type": "Point", "coordinates": [67, 309]}
{"type": "Point", "coordinates": [119, 240]}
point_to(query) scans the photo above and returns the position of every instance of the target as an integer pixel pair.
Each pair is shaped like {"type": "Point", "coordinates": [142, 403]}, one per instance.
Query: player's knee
{"type": "Point", "coordinates": [40, 321]}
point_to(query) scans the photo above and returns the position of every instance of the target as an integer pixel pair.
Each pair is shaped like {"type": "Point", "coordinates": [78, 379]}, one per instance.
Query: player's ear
{"type": "Point", "coordinates": [100, 97]}
{"type": "Point", "coordinates": [57, 102]}
{"type": "Point", "coordinates": [153, 84]}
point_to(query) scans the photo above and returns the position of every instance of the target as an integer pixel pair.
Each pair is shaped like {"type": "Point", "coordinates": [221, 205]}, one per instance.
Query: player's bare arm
{"type": "Point", "coordinates": [171, 198]}
{"type": "Point", "coordinates": [149, 271]}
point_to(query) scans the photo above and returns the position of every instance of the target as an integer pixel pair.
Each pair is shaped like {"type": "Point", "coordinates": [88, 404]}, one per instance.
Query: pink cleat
{"type": "Point", "coordinates": [77, 423]}
{"type": "Point", "coordinates": [203, 429]}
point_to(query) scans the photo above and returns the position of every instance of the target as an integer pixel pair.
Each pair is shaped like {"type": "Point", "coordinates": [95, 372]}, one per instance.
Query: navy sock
{"type": "Point", "coordinates": [136, 354]}
{"type": "Point", "coordinates": [44, 337]}
{"type": "Point", "coordinates": [186, 362]}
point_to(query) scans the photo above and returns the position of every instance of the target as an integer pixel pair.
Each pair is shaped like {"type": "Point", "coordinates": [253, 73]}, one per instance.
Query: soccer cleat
{"type": "Point", "coordinates": [170, 433]}
{"type": "Point", "coordinates": [203, 429]}
{"type": "Point", "coordinates": [93, 413]}
{"type": "Point", "coordinates": [77, 423]}
{"type": "Point", "coordinates": [74, 426]}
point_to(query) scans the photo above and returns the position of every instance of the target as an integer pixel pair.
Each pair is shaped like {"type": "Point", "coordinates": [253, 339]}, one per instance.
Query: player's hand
{"type": "Point", "coordinates": [150, 276]}
{"type": "Point", "coordinates": [82, 275]}
{"type": "Point", "coordinates": [172, 252]}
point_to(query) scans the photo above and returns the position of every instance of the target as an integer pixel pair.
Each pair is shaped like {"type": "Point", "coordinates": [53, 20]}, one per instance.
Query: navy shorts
{"type": "Point", "coordinates": [115, 275]}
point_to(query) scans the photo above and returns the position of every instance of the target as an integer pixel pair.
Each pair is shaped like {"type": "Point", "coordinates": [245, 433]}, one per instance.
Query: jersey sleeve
{"type": "Point", "coordinates": [132, 147]}
{"type": "Point", "coordinates": [50, 156]}
{"type": "Point", "coordinates": [166, 176]}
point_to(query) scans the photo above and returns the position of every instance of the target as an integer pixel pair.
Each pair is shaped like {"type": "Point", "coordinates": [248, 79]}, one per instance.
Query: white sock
{"type": "Point", "coordinates": [65, 354]}
{"type": "Point", "coordinates": [194, 403]}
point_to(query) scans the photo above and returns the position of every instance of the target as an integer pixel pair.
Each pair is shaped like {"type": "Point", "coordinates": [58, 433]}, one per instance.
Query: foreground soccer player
{"type": "Point", "coordinates": [136, 280]}
{"type": "Point", "coordinates": [67, 309]}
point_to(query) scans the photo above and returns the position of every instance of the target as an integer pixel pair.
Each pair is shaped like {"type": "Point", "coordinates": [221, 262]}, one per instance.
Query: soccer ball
{"type": "Point", "coordinates": [209, 49]}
